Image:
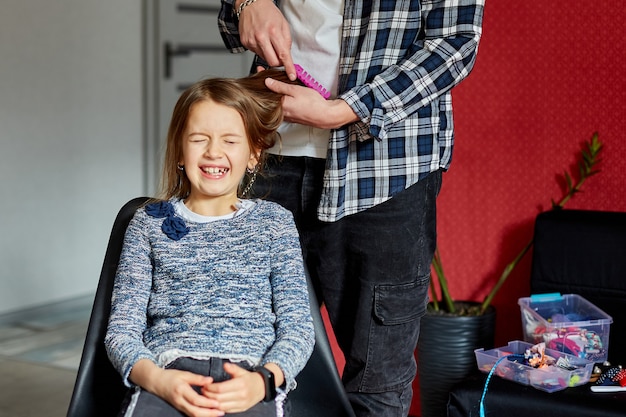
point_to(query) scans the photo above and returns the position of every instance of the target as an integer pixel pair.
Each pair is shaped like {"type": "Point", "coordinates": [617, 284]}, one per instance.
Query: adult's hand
{"type": "Point", "coordinates": [264, 30]}
{"type": "Point", "coordinates": [306, 106]}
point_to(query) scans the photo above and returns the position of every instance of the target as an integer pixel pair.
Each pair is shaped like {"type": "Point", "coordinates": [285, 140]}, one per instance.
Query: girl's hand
{"type": "Point", "coordinates": [244, 390]}
{"type": "Point", "coordinates": [176, 387]}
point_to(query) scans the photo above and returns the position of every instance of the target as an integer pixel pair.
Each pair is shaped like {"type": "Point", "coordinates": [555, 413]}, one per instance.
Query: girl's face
{"type": "Point", "coordinates": [216, 153]}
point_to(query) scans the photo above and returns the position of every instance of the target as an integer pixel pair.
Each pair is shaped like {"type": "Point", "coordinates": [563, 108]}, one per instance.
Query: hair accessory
{"type": "Point", "coordinates": [513, 357]}
{"type": "Point", "coordinates": [563, 344]}
{"type": "Point", "coordinates": [614, 375]}
{"type": "Point", "coordinates": [310, 82]}
{"type": "Point", "coordinates": [612, 379]}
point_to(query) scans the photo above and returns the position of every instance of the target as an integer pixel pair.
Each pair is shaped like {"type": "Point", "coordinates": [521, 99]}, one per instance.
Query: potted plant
{"type": "Point", "coordinates": [452, 329]}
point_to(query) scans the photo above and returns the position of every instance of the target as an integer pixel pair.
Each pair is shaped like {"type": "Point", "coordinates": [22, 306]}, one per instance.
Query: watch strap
{"type": "Point", "coordinates": [270, 382]}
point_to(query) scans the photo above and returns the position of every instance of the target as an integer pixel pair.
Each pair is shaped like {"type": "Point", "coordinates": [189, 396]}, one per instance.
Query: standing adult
{"type": "Point", "coordinates": [362, 170]}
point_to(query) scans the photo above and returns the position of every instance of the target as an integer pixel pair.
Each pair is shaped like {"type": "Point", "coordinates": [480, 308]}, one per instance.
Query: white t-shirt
{"type": "Point", "coordinates": [183, 211]}
{"type": "Point", "coordinates": [316, 41]}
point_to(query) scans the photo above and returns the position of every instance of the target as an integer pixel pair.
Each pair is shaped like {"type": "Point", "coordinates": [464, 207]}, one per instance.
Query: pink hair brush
{"type": "Point", "coordinates": [310, 82]}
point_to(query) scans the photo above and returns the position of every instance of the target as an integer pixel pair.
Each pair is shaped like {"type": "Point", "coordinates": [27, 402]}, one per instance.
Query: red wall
{"type": "Point", "coordinates": [548, 76]}
{"type": "Point", "coordinates": [545, 80]}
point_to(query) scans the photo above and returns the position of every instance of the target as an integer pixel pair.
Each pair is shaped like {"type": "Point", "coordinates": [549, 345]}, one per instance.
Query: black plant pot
{"type": "Point", "coordinates": [446, 354]}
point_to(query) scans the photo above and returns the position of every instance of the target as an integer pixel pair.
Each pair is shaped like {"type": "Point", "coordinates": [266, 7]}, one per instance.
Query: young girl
{"type": "Point", "coordinates": [210, 312]}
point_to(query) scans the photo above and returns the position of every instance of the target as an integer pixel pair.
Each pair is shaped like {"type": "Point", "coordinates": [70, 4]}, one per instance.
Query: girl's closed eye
{"type": "Point", "coordinates": [232, 139]}
{"type": "Point", "coordinates": [197, 138]}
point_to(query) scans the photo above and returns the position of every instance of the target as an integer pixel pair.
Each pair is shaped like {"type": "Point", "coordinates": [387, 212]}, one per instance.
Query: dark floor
{"type": "Point", "coordinates": [39, 355]}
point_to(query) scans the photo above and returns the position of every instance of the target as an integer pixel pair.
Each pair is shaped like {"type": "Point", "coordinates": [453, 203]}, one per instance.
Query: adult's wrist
{"type": "Point", "coordinates": [342, 114]}
{"type": "Point", "coordinates": [240, 5]}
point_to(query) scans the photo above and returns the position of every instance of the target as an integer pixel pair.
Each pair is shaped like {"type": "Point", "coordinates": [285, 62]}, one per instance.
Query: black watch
{"type": "Point", "coordinates": [270, 383]}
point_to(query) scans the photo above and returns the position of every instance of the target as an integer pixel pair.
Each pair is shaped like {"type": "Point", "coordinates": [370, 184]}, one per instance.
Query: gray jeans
{"type": "Point", "coordinates": [141, 403]}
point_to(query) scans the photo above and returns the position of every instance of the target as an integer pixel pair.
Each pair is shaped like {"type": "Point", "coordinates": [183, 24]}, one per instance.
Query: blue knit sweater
{"type": "Point", "coordinates": [232, 288]}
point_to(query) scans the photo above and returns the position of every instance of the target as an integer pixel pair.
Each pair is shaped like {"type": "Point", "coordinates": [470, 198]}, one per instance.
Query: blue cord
{"type": "Point", "coordinates": [493, 369]}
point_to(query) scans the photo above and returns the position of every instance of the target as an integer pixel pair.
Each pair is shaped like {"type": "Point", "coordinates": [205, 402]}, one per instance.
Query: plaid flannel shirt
{"type": "Point", "coordinates": [399, 60]}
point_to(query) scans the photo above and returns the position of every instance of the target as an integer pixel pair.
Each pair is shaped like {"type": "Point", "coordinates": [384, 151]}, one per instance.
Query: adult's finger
{"type": "Point", "coordinates": [264, 30]}
{"type": "Point", "coordinates": [281, 87]}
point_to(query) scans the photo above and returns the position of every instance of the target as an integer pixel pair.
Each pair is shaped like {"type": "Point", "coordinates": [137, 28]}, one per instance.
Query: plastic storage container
{"type": "Point", "coordinates": [567, 323]}
{"type": "Point", "coordinates": [549, 379]}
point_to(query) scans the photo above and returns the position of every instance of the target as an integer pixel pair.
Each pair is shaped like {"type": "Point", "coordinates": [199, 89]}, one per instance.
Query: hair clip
{"type": "Point", "coordinates": [310, 82]}
{"type": "Point", "coordinates": [566, 345]}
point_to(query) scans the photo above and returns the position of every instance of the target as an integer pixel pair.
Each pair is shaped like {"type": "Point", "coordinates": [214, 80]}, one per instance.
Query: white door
{"type": "Point", "coordinates": [183, 45]}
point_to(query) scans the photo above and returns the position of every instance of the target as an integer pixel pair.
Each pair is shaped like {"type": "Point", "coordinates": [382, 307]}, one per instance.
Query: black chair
{"type": "Point", "coordinates": [99, 391]}
{"type": "Point", "coordinates": [575, 252]}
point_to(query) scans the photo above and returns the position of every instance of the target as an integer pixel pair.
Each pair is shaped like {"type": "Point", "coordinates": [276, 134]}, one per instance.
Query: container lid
{"type": "Point", "coordinates": [548, 302]}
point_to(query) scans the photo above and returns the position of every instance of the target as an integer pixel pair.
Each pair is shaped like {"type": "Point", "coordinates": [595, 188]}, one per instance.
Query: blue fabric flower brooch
{"type": "Point", "coordinates": [174, 227]}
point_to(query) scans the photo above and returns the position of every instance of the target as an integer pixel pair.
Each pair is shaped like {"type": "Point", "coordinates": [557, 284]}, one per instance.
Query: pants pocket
{"type": "Point", "coordinates": [393, 335]}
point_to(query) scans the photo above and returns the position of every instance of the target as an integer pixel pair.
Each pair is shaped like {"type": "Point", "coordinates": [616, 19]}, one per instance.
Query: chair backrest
{"type": "Point", "coordinates": [320, 392]}
{"type": "Point", "coordinates": [99, 391]}
{"type": "Point", "coordinates": [584, 252]}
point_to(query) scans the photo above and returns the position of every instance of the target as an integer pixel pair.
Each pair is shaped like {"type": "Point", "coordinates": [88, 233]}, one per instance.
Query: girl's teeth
{"type": "Point", "coordinates": [214, 171]}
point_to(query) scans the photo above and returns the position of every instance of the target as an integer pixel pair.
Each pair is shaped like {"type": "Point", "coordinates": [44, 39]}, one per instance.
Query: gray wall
{"type": "Point", "coordinates": [71, 148]}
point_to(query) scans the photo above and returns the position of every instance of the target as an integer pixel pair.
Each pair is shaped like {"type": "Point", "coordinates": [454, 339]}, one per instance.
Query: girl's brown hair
{"type": "Point", "coordinates": [259, 107]}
